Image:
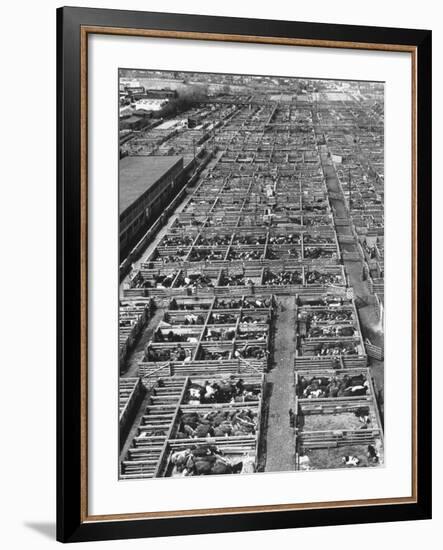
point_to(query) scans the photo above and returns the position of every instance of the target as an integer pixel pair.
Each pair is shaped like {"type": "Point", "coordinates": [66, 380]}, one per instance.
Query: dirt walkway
{"type": "Point", "coordinates": [138, 352]}
{"type": "Point", "coordinates": [280, 441]}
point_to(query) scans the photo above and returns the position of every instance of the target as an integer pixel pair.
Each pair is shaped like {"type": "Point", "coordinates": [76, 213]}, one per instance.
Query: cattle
{"type": "Point", "coordinates": [207, 460]}
{"type": "Point", "coordinates": [223, 391]}
{"type": "Point", "coordinates": [373, 455]}
{"type": "Point", "coordinates": [350, 460]}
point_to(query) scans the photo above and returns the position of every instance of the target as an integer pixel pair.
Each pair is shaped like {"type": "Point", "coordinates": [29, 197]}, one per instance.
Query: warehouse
{"type": "Point", "coordinates": [146, 185]}
{"type": "Point", "coordinates": [134, 123]}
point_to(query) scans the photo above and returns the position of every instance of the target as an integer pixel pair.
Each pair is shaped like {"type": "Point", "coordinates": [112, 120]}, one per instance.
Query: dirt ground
{"type": "Point", "coordinates": [320, 422]}
{"type": "Point", "coordinates": [321, 459]}
{"type": "Point", "coordinates": [138, 352]}
{"type": "Point", "coordinates": [280, 438]}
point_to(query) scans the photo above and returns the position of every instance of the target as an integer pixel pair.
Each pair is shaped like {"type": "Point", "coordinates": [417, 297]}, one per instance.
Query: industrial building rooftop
{"type": "Point", "coordinates": [138, 174]}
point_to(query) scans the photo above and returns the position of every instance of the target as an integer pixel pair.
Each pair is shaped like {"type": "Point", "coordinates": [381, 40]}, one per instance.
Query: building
{"type": "Point", "coordinates": [161, 94]}
{"type": "Point", "coordinates": [146, 185]}
{"type": "Point", "coordinates": [135, 91]}
{"type": "Point", "coordinates": [134, 122]}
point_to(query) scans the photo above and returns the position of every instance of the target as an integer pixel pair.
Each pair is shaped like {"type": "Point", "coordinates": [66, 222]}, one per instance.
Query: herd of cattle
{"type": "Point", "coordinates": [258, 225]}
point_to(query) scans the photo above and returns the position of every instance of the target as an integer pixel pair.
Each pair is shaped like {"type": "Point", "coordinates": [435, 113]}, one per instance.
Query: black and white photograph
{"type": "Point", "coordinates": [251, 272]}
{"type": "Point", "coordinates": [218, 230]}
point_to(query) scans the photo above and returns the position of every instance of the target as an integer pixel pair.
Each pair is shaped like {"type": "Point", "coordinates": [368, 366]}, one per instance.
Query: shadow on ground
{"type": "Point", "coordinates": [46, 529]}
{"type": "Point", "coordinates": [262, 450]}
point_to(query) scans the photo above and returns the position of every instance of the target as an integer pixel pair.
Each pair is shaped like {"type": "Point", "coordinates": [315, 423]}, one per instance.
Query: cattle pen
{"type": "Point", "coordinates": [251, 308]}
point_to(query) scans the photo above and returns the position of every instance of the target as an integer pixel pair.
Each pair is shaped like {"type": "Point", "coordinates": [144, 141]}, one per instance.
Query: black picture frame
{"type": "Point", "coordinates": [72, 525]}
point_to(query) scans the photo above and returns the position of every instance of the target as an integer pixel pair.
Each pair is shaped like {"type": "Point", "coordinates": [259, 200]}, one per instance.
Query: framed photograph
{"type": "Point", "coordinates": [244, 274]}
